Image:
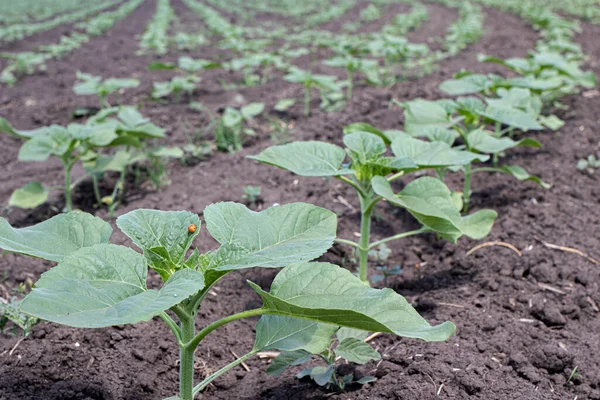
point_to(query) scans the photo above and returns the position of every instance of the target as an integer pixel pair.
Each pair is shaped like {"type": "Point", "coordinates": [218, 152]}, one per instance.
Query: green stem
{"type": "Point", "coordinates": [348, 242]}
{"type": "Point", "coordinates": [467, 188]}
{"type": "Point", "coordinates": [96, 190]}
{"type": "Point", "coordinates": [307, 100]}
{"type": "Point", "coordinates": [220, 372]}
{"type": "Point", "coordinates": [366, 209]}
{"type": "Point", "coordinates": [195, 341]}
{"type": "Point", "coordinates": [69, 202]}
{"type": "Point", "coordinates": [486, 169]}
{"type": "Point", "coordinates": [399, 236]}
{"type": "Point", "coordinates": [186, 360]}
{"type": "Point", "coordinates": [350, 182]}
{"type": "Point", "coordinates": [395, 176]}
{"type": "Point", "coordinates": [172, 325]}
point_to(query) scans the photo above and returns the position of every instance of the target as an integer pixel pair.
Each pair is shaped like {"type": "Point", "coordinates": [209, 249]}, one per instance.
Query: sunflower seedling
{"type": "Point", "coordinates": [310, 80]}
{"type": "Point", "coordinates": [94, 85]}
{"type": "Point", "coordinates": [370, 172]}
{"type": "Point", "coordinates": [98, 284]}
{"type": "Point", "coordinates": [232, 127]}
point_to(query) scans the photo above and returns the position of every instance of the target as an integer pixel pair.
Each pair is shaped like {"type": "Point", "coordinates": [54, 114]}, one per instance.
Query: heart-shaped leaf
{"type": "Point", "coordinates": [356, 351]}
{"type": "Point", "coordinates": [55, 238]}
{"type": "Point", "coordinates": [105, 285]}
{"type": "Point", "coordinates": [275, 237]}
{"type": "Point", "coordinates": [29, 196]}
{"type": "Point", "coordinates": [512, 117]}
{"type": "Point", "coordinates": [430, 202]}
{"type": "Point", "coordinates": [364, 146]}
{"type": "Point", "coordinates": [420, 114]}
{"type": "Point", "coordinates": [306, 158]}
{"type": "Point", "coordinates": [162, 235]}
{"type": "Point", "coordinates": [432, 154]}
{"type": "Point", "coordinates": [482, 141]}
{"type": "Point", "coordinates": [327, 293]}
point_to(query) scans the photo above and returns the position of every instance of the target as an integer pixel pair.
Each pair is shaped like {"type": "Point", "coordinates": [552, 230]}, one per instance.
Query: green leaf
{"type": "Point", "coordinates": [521, 174]}
{"type": "Point", "coordinates": [356, 351]}
{"type": "Point", "coordinates": [54, 141]}
{"type": "Point", "coordinates": [482, 141]}
{"type": "Point", "coordinates": [346, 333]}
{"type": "Point", "coordinates": [252, 110]}
{"type": "Point", "coordinates": [432, 154]}
{"type": "Point", "coordinates": [327, 293]}
{"type": "Point", "coordinates": [105, 285]}
{"type": "Point", "coordinates": [286, 359]}
{"type": "Point", "coordinates": [364, 127]}
{"type": "Point", "coordinates": [284, 104]}
{"type": "Point", "coordinates": [29, 196]}
{"type": "Point", "coordinates": [551, 122]}
{"type": "Point", "coordinates": [468, 84]}
{"type": "Point", "coordinates": [431, 203]}
{"type": "Point", "coordinates": [159, 66]}
{"type": "Point", "coordinates": [364, 146]}
{"type": "Point", "coordinates": [420, 114]}
{"type": "Point", "coordinates": [292, 334]}
{"type": "Point", "coordinates": [232, 117]}
{"type": "Point", "coordinates": [168, 152]}
{"type": "Point", "coordinates": [272, 238]}
{"type": "Point", "coordinates": [511, 117]}
{"type": "Point", "coordinates": [55, 238]}
{"type": "Point", "coordinates": [306, 158]}
{"type": "Point", "coordinates": [162, 235]}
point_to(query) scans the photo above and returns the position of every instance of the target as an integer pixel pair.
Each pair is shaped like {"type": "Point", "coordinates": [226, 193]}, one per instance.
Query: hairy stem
{"type": "Point", "coordinates": [467, 188]}
{"type": "Point", "coordinates": [366, 210]}
{"type": "Point", "coordinates": [348, 242]}
{"type": "Point", "coordinates": [398, 236]}
{"type": "Point", "coordinates": [186, 360]}
{"type": "Point", "coordinates": [195, 341]}
{"type": "Point", "coordinates": [69, 203]}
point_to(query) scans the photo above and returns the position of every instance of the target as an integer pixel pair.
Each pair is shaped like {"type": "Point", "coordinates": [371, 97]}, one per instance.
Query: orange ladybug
{"type": "Point", "coordinates": [192, 228]}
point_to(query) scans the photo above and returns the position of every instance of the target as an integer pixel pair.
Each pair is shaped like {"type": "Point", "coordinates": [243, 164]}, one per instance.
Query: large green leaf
{"type": "Point", "coordinates": [29, 196]}
{"type": "Point", "coordinates": [468, 84]}
{"type": "Point", "coordinates": [430, 202]}
{"type": "Point", "coordinates": [364, 127]}
{"type": "Point", "coordinates": [286, 359]}
{"type": "Point", "coordinates": [55, 238]}
{"type": "Point", "coordinates": [292, 334]}
{"type": "Point", "coordinates": [54, 141]}
{"type": "Point", "coordinates": [420, 114]}
{"type": "Point", "coordinates": [512, 117]}
{"type": "Point", "coordinates": [432, 154]}
{"type": "Point", "coordinates": [105, 285]}
{"type": "Point", "coordinates": [356, 351]}
{"type": "Point", "coordinates": [162, 235]}
{"type": "Point", "coordinates": [482, 141]}
{"type": "Point", "coordinates": [364, 146]}
{"type": "Point", "coordinates": [327, 293]}
{"type": "Point", "coordinates": [306, 158]}
{"type": "Point", "coordinates": [274, 237]}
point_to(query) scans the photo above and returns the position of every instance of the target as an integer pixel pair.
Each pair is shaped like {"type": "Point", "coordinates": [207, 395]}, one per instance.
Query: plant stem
{"type": "Point", "coordinates": [186, 359]}
{"type": "Point", "coordinates": [348, 242]}
{"type": "Point", "coordinates": [398, 236]}
{"type": "Point", "coordinates": [172, 325]}
{"type": "Point", "coordinates": [69, 203]}
{"type": "Point", "coordinates": [195, 341]}
{"type": "Point", "coordinates": [96, 190]}
{"type": "Point", "coordinates": [220, 372]}
{"type": "Point", "coordinates": [365, 230]}
{"type": "Point", "coordinates": [307, 100]}
{"type": "Point", "coordinates": [467, 188]}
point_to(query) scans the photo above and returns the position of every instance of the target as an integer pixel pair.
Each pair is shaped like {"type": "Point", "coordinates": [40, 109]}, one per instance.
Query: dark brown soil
{"type": "Point", "coordinates": [524, 322]}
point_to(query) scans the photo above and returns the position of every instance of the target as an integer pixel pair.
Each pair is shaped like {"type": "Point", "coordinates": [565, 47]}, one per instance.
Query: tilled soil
{"type": "Point", "coordinates": [525, 321]}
